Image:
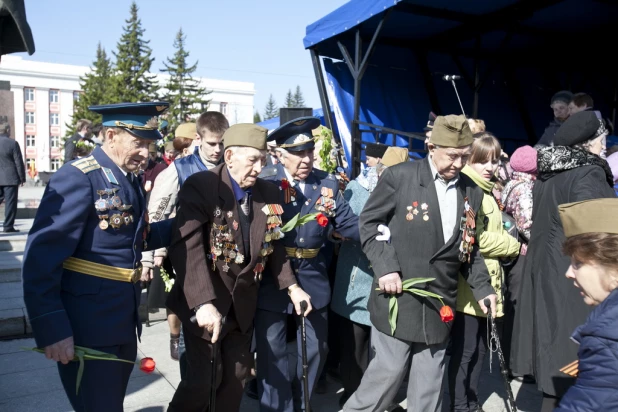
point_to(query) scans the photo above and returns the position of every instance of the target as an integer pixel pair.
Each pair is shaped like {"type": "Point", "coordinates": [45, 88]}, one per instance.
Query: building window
{"type": "Point", "coordinates": [223, 108]}
{"type": "Point", "coordinates": [54, 96]}
{"type": "Point", "coordinates": [54, 141]}
{"type": "Point", "coordinates": [30, 164]}
{"type": "Point", "coordinates": [29, 94]}
{"type": "Point", "coordinates": [54, 119]}
{"type": "Point", "coordinates": [55, 165]}
{"type": "Point", "coordinates": [76, 96]}
{"type": "Point", "coordinates": [29, 117]}
{"type": "Point", "coordinates": [30, 140]}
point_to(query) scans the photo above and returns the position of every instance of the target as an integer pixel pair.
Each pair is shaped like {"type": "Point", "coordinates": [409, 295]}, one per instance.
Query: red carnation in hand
{"type": "Point", "coordinates": [284, 184]}
{"type": "Point", "coordinates": [446, 314]}
{"type": "Point", "coordinates": [322, 220]}
{"type": "Point", "coordinates": [147, 365]}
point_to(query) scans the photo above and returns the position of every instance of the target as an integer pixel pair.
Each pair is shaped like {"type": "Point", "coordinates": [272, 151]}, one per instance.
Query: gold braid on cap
{"type": "Point", "coordinates": [295, 144]}
{"type": "Point", "coordinates": [152, 124]}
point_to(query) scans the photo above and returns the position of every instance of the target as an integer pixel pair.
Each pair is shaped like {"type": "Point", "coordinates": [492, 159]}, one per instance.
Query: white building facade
{"type": "Point", "coordinates": [44, 93]}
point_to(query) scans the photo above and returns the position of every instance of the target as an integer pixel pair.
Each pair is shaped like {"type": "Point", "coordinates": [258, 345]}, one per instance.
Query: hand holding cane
{"type": "Point", "coordinates": [505, 373]}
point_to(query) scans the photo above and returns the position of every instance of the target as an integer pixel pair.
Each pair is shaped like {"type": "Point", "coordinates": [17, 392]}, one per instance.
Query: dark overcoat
{"type": "Point", "coordinates": [418, 249]}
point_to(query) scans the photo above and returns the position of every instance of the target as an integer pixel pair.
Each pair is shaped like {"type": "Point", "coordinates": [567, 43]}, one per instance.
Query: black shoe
{"type": "Point", "coordinates": [529, 379]}
{"type": "Point", "coordinates": [321, 387]}
{"type": "Point", "coordinates": [251, 389]}
{"type": "Point", "coordinates": [11, 230]}
{"type": "Point", "coordinates": [343, 399]}
{"type": "Point", "coordinates": [174, 348]}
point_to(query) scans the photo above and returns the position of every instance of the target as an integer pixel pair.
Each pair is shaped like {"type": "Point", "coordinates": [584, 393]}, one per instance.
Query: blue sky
{"type": "Point", "coordinates": [245, 40]}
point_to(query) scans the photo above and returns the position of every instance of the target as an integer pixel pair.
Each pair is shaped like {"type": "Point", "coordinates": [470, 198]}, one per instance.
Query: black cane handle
{"type": "Point", "coordinates": [303, 307]}
{"type": "Point", "coordinates": [487, 303]}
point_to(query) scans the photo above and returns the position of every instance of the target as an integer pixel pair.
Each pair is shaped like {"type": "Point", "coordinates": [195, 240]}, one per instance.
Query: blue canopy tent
{"type": "Point", "coordinates": [384, 62]}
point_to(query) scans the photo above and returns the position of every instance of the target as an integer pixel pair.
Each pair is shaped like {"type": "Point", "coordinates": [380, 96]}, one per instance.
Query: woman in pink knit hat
{"type": "Point", "coordinates": [517, 201]}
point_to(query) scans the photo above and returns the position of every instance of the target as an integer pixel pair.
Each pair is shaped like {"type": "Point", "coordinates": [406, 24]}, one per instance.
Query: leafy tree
{"type": "Point", "coordinates": [96, 89]}
{"type": "Point", "coordinates": [299, 100]}
{"type": "Point", "coordinates": [132, 82]}
{"type": "Point", "coordinates": [256, 117]}
{"type": "Point", "coordinates": [184, 93]}
{"type": "Point", "coordinates": [271, 108]}
{"type": "Point", "coordinates": [289, 99]}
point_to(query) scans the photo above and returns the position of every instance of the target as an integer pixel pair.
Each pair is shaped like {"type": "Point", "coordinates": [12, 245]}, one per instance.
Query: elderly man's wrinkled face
{"type": "Point", "coordinates": [449, 160]}
{"type": "Point", "coordinates": [126, 150]}
{"type": "Point", "coordinates": [561, 110]}
{"type": "Point", "coordinates": [245, 164]}
{"type": "Point", "coordinates": [298, 164]}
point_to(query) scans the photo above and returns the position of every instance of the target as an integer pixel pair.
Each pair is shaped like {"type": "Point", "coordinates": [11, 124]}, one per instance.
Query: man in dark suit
{"type": "Point", "coordinates": [12, 175]}
{"type": "Point", "coordinates": [303, 191]}
{"type": "Point", "coordinates": [427, 206]}
{"type": "Point", "coordinates": [83, 129]}
{"type": "Point", "coordinates": [82, 261]}
{"type": "Point", "coordinates": [226, 236]}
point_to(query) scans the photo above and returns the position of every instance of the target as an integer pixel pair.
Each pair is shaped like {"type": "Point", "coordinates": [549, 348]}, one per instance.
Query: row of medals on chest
{"type": "Point", "coordinates": [109, 203]}
{"type": "Point", "coordinates": [223, 245]}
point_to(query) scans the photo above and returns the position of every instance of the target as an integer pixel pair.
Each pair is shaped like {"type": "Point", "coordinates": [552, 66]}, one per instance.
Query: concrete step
{"type": "Point", "coordinates": [12, 243]}
{"type": "Point", "coordinates": [10, 266]}
{"type": "Point", "coordinates": [13, 318]}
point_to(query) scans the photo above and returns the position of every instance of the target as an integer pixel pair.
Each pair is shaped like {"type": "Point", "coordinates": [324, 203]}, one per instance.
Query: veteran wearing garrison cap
{"type": "Point", "coordinates": [424, 205]}
{"type": "Point", "coordinates": [82, 258]}
{"type": "Point", "coordinates": [303, 190]}
{"type": "Point", "coordinates": [227, 234]}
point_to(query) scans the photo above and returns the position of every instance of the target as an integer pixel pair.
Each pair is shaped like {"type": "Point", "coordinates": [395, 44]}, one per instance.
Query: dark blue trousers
{"type": "Point", "coordinates": [9, 195]}
{"type": "Point", "coordinates": [277, 390]}
{"type": "Point", "coordinates": [104, 383]}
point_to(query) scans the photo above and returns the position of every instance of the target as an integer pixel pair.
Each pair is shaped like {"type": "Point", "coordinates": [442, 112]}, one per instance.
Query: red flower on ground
{"type": "Point", "coordinates": [322, 219]}
{"type": "Point", "coordinates": [446, 314]}
{"type": "Point", "coordinates": [284, 184]}
{"type": "Point", "coordinates": [147, 365]}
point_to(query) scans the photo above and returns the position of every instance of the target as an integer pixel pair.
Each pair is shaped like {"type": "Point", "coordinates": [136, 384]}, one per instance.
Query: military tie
{"type": "Point", "coordinates": [244, 204]}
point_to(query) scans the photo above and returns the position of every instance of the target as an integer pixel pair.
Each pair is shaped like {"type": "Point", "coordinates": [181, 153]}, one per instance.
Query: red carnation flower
{"type": "Point", "coordinates": [322, 220]}
{"type": "Point", "coordinates": [446, 314]}
{"type": "Point", "coordinates": [147, 365]}
{"type": "Point", "coordinates": [284, 184]}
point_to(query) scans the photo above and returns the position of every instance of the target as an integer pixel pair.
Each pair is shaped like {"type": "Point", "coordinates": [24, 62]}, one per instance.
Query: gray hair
{"type": "Point", "coordinates": [5, 128]}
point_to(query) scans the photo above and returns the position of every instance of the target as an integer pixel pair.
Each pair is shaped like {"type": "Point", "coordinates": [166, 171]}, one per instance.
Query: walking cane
{"type": "Point", "coordinates": [505, 372]}
{"type": "Point", "coordinates": [303, 332]}
{"type": "Point", "coordinates": [213, 366]}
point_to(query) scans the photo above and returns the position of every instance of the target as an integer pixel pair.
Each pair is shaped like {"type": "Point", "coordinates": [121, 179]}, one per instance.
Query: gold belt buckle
{"type": "Point", "coordinates": [299, 253]}
{"type": "Point", "coordinates": [137, 274]}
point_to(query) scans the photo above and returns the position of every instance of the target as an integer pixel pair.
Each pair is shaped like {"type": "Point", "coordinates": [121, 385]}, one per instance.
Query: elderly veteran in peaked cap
{"type": "Point", "coordinates": [82, 258]}
{"type": "Point", "coordinates": [228, 226]}
{"type": "Point", "coordinates": [429, 209]}
{"type": "Point", "coordinates": [591, 230]}
{"type": "Point", "coordinates": [303, 191]}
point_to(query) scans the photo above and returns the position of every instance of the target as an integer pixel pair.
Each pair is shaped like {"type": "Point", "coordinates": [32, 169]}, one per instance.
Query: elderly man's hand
{"type": "Point", "coordinates": [209, 317]}
{"type": "Point", "coordinates": [492, 300]}
{"type": "Point", "coordinates": [390, 283]}
{"type": "Point", "coordinates": [146, 274]}
{"type": "Point", "coordinates": [62, 351]}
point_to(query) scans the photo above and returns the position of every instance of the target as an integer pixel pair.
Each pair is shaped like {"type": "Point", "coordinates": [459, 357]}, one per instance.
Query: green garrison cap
{"type": "Point", "coordinates": [245, 134]}
{"type": "Point", "coordinates": [135, 118]}
{"type": "Point", "coordinates": [451, 131]}
{"type": "Point", "coordinates": [589, 216]}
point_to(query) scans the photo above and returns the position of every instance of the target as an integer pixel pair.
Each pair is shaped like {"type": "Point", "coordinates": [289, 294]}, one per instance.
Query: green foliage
{"type": "Point", "coordinates": [298, 221]}
{"type": "Point", "coordinates": [271, 109]}
{"type": "Point", "coordinates": [299, 100]}
{"type": "Point", "coordinates": [184, 93]}
{"type": "Point", "coordinates": [256, 117]}
{"type": "Point", "coordinates": [327, 163]}
{"type": "Point", "coordinates": [289, 99]}
{"type": "Point", "coordinates": [132, 83]}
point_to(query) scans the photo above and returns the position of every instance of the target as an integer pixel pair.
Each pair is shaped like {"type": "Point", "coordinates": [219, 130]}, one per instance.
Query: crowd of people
{"type": "Point", "coordinates": [239, 235]}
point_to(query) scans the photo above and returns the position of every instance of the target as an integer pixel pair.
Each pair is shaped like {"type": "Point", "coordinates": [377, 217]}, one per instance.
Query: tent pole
{"type": "Point", "coordinates": [477, 79]}
{"type": "Point", "coordinates": [356, 135]}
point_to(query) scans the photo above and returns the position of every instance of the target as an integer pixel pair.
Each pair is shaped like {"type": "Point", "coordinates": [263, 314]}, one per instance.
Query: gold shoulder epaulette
{"type": "Point", "coordinates": [87, 164]}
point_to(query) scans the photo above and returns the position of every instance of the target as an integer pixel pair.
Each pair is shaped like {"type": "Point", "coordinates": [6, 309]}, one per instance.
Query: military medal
{"type": "Point", "coordinates": [426, 218]}
{"type": "Point", "coordinates": [217, 212]}
{"type": "Point", "coordinates": [239, 259]}
{"type": "Point", "coordinates": [235, 225]}
{"type": "Point", "coordinates": [230, 214]}
{"type": "Point", "coordinates": [268, 237]}
{"type": "Point", "coordinates": [100, 204]}
{"type": "Point", "coordinates": [468, 228]}
{"type": "Point", "coordinates": [116, 221]}
{"type": "Point", "coordinates": [103, 224]}
{"type": "Point", "coordinates": [225, 267]}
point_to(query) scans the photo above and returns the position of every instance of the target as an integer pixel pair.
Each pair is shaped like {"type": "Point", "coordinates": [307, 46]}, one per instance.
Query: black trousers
{"type": "Point", "coordinates": [469, 345]}
{"type": "Point", "coordinates": [104, 383]}
{"type": "Point", "coordinates": [549, 403]}
{"type": "Point", "coordinates": [234, 362]}
{"type": "Point", "coordinates": [354, 338]}
{"type": "Point", "coordinates": [9, 195]}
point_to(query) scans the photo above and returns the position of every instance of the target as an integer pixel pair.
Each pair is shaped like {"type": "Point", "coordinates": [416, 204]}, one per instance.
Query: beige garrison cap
{"type": "Point", "coordinates": [589, 216]}
{"type": "Point", "coordinates": [451, 131]}
{"type": "Point", "coordinates": [395, 155]}
{"type": "Point", "coordinates": [245, 134]}
{"type": "Point", "coordinates": [186, 130]}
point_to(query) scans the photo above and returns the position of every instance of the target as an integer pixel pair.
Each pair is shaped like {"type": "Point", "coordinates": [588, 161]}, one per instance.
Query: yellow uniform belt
{"type": "Point", "coordinates": [301, 253]}
{"type": "Point", "coordinates": [102, 271]}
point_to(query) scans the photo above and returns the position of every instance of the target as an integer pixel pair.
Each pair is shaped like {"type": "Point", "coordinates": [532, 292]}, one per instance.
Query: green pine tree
{"type": "Point", "coordinates": [299, 100]}
{"type": "Point", "coordinates": [185, 95]}
{"type": "Point", "coordinates": [256, 117]}
{"type": "Point", "coordinates": [96, 89]}
{"type": "Point", "coordinates": [271, 108]}
{"type": "Point", "coordinates": [132, 80]}
{"type": "Point", "coordinates": [289, 99]}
